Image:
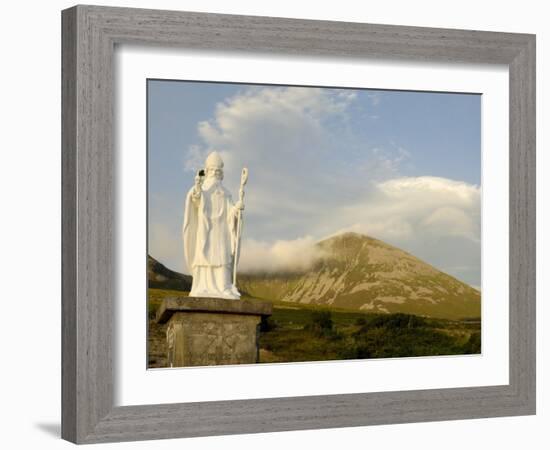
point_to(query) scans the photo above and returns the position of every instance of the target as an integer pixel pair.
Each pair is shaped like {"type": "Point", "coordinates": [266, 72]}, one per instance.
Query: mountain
{"type": "Point", "coordinates": [354, 272]}
{"type": "Point", "coordinates": [358, 272]}
{"type": "Point", "coordinates": [160, 277]}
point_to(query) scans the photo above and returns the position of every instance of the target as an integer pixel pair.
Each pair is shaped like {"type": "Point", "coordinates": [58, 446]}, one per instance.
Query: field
{"type": "Point", "coordinates": [311, 333]}
{"type": "Point", "coordinates": [319, 334]}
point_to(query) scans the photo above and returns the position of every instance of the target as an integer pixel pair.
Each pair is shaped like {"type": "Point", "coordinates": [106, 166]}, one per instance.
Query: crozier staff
{"type": "Point", "coordinates": [244, 179]}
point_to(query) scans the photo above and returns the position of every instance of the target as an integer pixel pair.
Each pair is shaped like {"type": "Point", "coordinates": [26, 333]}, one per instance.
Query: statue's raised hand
{"type": "Point", "coordinates": [198, 182]}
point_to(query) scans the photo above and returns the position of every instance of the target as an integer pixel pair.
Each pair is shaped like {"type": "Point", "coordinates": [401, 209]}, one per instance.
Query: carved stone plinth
{"type": "Point", "coordinates": [212, 331]}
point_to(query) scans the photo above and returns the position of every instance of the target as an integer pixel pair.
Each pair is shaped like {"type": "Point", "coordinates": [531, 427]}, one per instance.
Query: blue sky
{"type": "Point", "coordinates": [404, 167]}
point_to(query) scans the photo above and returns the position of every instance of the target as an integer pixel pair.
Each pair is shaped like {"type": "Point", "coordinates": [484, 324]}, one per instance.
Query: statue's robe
{"type": "Point", "coordinates": [210, 239]}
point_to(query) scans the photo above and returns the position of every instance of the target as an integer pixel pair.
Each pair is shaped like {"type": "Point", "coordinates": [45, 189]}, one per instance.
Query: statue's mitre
{"type": "Point", "coordinates": [214, 160]}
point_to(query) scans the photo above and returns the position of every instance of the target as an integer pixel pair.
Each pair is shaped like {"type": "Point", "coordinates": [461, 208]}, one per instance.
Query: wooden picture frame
{"type": "Point", "coordinates": [89, 37]}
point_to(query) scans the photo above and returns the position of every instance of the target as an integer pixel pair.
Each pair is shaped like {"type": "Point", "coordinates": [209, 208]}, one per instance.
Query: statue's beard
{"type": "Point", "coordinates": [212, 180]}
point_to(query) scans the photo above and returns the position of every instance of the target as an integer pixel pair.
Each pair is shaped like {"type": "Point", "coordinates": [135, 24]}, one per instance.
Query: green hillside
{"type": "Point", "coordinates": [298, 332]}
{"type": "Point", "coordinates": [313, 333]}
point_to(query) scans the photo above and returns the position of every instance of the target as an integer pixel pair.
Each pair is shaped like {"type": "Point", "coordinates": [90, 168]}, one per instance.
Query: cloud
{"type": "Point", "coordinates": [409, 209]}
{"type": "Point", "coordinates": [453, 221]}
{"type": "Point", "coordinates": [294, 255]}
{"type": "Point", "coordinates": [265, 124]}
{"type": "Point", "coordinates": [383, 163]}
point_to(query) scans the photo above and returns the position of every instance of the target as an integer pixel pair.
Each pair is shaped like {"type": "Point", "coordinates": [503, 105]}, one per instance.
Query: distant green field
{"type": "Point", "coordinates": [319, 334]}
{"type": "Point", "coordinates": [298, 332]}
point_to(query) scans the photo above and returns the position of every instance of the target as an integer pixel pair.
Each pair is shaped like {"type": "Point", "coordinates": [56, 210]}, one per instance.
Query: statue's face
{"type": "Point", "coordinates": [212, 172]}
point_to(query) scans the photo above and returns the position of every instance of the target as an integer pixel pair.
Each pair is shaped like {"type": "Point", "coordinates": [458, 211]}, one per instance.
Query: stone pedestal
{"type": "Point", "coordinates": [212, 331]}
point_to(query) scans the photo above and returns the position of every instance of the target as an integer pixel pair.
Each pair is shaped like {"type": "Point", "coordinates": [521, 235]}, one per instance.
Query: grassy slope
{"type": "Point", "coordinates": [292, 334]}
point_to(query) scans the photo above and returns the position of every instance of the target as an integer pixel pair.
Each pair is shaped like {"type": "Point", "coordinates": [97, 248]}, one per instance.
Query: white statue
{"type": "Point", "coordinates": [211, 232]}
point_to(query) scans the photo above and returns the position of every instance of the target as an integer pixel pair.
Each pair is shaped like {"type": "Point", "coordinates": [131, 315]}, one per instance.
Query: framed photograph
{"type": "Point", "coordinates": [267, 222]}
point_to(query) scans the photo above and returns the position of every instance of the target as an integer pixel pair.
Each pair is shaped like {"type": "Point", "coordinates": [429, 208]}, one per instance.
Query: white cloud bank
{"type": "Point", "coordinates": [292, 255]}
{"type": "Point", "coordinates": [415, 207]}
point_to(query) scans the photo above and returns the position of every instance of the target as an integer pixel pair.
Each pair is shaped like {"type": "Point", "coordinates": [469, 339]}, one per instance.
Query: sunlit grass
{"type": "Point", "coordinates": [295, 332]}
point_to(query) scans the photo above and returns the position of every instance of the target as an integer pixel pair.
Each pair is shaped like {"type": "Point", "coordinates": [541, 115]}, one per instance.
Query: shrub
{"type": "Point", "coordinates": [397, 321]}
{"type": "Point", "coordinates": [356, 351]}
{"type": "Point", "coordinates": [473, 345]}
{"type": "Point", "coordinates": [321, 320]}
{"type": "Point", "coordinates": [321, 325]}
{"type": "Point", "coordinates": [268, 324]}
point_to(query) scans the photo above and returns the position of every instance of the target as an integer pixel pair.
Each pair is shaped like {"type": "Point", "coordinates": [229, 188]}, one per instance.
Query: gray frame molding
{"type": "Point", "coordinates": [89, 36]}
